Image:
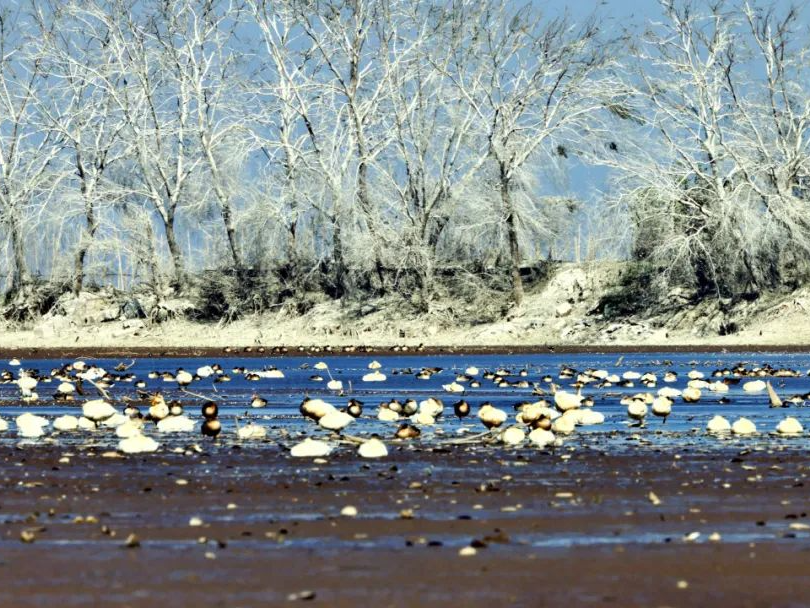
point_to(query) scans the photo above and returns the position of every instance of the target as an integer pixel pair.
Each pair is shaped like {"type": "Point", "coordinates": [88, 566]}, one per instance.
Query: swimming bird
{"type": "Point", "coordinates": [311, 448]}
{"type": "Point", "coordinates": [98, 410]}
{"type": "Point", "coordinates": [743, 426]}
{"type": "Point", "coordinates": [209, 410]}
{"type": "Point", "coordinates": [158, 409]}
{"type": "Point", "coordinates": [251, 431]}
{"type": "Point", "coordinates": [256, 401]}
{"type": "Point", "coordinates": [138, 444]}
{"type": "Point", "coordinates": [176, 424]}
{"type": "Point", "coordinates": [789, 426]}
{"type": "Point", "coordinates": [30, 425]}
{"type": "Point", "coordinates": [461, 409]}
{"type": "Point", "coordinates": [355, 408]}
{"type": "Point", "coordinates": [315, 408]}
{"type": "Point", "coordinates": [211, 427]}
{"type": "Point", "coordinates": [373, 448]}
{"type": "Point", "coordinates": [335, 420]}
{"type": "Point", "coordinates": [407, 431]}
{"type": "Point", "coordinates": [718, 424]}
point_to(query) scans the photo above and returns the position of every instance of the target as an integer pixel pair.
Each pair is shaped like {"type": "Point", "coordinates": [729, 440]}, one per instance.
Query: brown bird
{"type": "Point", "coordinates": [407, 431]}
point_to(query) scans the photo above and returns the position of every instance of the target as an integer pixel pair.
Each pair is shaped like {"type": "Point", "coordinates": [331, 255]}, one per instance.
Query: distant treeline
{"type": "Point", "coordinates": [354, 147]}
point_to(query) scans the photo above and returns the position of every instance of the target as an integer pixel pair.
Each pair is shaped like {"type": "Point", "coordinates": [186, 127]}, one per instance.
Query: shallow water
{"type": "Point", "coordinates": [284, 395]}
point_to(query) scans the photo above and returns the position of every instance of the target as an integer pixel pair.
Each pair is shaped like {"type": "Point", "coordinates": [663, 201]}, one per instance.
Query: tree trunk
{"type": "Point", "coordinates": [84, 245]}
{"type": "Point", "coordinates": [365, 206]}
{"type": "Point", "coordinates": [227, 218]}
{"type": "Point", "coordinates": [151, 262]}
{"type": "Point", "coordinates": [174, 250]}
{"type": "Point", "coordinates": [339, 261]}
{"type": "Point", "coordinates": [20, 277]}
{"type": "Point", "coordinates": [512, 234]}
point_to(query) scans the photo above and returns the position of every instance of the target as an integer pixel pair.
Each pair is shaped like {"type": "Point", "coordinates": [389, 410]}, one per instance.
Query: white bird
{"type": "Point", "coordinates": [30, 425]}
{"type": "Point", "coordinates": [311, 448]}
{"type": "Point", "coordinates": [335, 420]}
{"type": "Point", "coordinates": [316, 408]}
{"type": "Point", "coordinates": [432, 406]}
{"type": "Point", "coordinates": [86, 424]}
{"type": "Point", "coordinates": [662, 407]}
{"type": "Point", "coordinates": [718, 424]}
{"type": "Point", "coordinates": [66, 423]}
{"type": "Point", "coordinates": [27, 384]}
{"type": "Point", "coordinates": [542, 438]}
{"type": "Point", "coordinates": [65, 388]}
{"type": "Point", "coordinates": [3, 425]}
{"type": "Point", "coordinates": [183, 378]}
{"type": "Point", "coordinates": [375, 365]}
{"type": "Point", "coordinates": [129, 429]}
{"type": "Point", "coordinates": [754, 386]}
{"type": "Point", "coordinates": [387, 415]}
{"type": "Point", "coordinates": [373, 448]}
{"type": "Point", "coordinates": [691, 394]}
{"type": "Point", "coordinates": [453, 387]}
{"type": "Point", "coordinates": [588, 417]}
{"type": "Point", "coordinates": [206, 371]}
{"type": "Point", "coordinates": [252, 431]}
{"type": "Point", "coordinates": [176, 424]}
{"type": "Point", "coordinates": [424, 418]}
{"type": "Point", "coordinates": [567, 401]}
{"type": "Point", "coordinates": [374, 376]}
{"type": "Point", "coordinates": [491, 416]}
{"type": "Point", "coordinates": [743, 426]}
{"type": "Point", "coordinates": [334, 385]}
{"type": "Point", "coordinates": [97, 410]}
{"type": "Point", "coordinates": [564, 425]}
{"type": "Point", "coordinates": [513, 435]}
{"type": "Point", "coordinates": [637, 410]}
{"type": "Point", "coordinates": [138, 444]}
{"type": "Point", "coordinates": [789, 426]}
{"type": "Point", "coordinates": [718, 387]}
{"type": "Point", "coordinates": [158, 409]}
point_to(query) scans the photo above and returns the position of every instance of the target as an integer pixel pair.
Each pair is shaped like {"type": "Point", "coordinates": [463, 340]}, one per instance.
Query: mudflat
{"type": "Point", "coordinates": [641, 525]}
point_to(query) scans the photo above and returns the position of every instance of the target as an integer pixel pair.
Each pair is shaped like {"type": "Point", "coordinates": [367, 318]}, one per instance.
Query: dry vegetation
{"type": "Point", "coordinates": [396, 166]}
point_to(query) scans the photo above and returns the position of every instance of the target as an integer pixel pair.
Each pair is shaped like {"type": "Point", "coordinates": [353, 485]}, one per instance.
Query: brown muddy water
{"type": "Point", "coordinates": [617, 515]}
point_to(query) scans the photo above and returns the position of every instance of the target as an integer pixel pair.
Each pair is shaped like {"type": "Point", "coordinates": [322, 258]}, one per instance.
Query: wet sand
{"type": "Point", "coordinates": [571, 525]}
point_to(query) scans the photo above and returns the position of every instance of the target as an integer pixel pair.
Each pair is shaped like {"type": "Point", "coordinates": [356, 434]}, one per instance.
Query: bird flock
{"type": "Point", "coordinates": [553, 408]}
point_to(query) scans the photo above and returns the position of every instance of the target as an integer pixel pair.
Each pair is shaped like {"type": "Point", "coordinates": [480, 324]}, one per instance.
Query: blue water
{"type": "Point", "coordinates": [285, 395]}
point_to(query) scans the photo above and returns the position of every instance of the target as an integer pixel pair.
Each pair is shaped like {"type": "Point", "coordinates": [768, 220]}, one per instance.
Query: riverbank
{"type": "Point", "coordinates": [562, 313]}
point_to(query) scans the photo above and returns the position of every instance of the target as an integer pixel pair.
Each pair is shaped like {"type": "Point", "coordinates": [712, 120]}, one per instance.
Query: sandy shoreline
{"type": "Point", "coordinates": [101, 352]}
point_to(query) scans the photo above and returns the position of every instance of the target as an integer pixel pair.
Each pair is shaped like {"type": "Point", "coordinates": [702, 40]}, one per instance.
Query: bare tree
{"type": "Point", "coordinates": [78, 107]}
{"type": "Point", "coordinates": [531, 86]}
{"type": "Point", "coordinates": [157, 110]}
{"type": "Point", "coordinates": [199, 51]}
{"type": "Point", "coordinates": [26, 148]}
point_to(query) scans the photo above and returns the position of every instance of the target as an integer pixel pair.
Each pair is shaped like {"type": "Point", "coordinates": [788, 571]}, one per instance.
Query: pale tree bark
{"type": "Point", "coordinates": [157, 114]}
{"type": "Point", "coordinates": [532, 82]}
{"type": "Point", "coordinates": [27, 148]}
{"type": "Point", "coordinates": [79, 109]}
{"type": "Point", "coordinates": [199, 44]}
